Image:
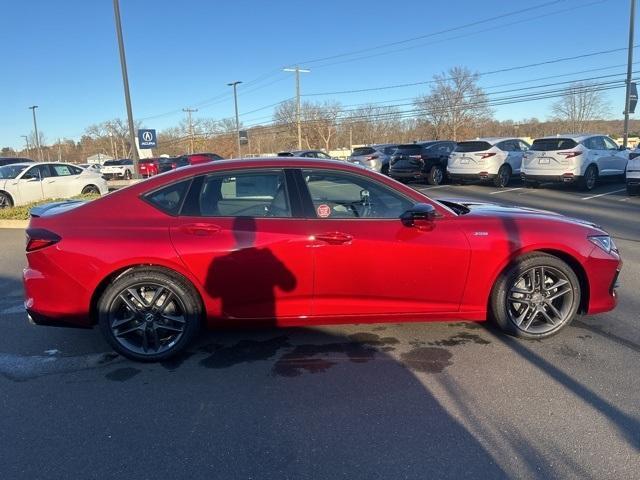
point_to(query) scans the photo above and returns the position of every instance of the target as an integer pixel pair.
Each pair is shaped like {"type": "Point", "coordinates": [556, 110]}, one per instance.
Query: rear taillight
{"type": "Point", "coordinates": [485, 155]}
{"type": "Point", "coordinates": [569, 154]}
{"type": "Point", "coordinates": [38, 238]}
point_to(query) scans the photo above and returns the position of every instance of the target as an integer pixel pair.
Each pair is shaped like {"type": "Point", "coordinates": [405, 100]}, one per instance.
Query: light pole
{"type": "Point", "coordinates": [35, 129]}
{"type": "Point", "coordinates": [125, 81]}
{"type": "Point", "coordinates": [298, 70]}
{"type": "Point", "coordinates": [235, 101]}
{"type": "Point", "coordinates": [189, 111]}
{"type": "Point", "coordinates": [627, 98]}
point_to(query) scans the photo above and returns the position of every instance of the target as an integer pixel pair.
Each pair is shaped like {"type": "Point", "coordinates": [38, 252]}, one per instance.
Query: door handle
{"type": "Point", "coordinates": [334, 238]}
{"type": "Point", "coordinates": [199, 229]}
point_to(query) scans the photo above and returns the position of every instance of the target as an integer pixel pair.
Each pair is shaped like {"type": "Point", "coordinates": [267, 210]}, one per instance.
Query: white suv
{"type": "Point", "coordinates": [495, 159]}
{"type": "Point", "coordinates": [118, 169]}
{"type": "Point", "coordinates": [633, 173]}
{"type": "Point", "coordinates": [573, 158]}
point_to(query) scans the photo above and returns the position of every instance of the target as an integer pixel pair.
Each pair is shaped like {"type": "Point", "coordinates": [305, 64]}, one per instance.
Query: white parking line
{"type": "Point", "coordinates": [603, 194]}
{"type": "Point", "coordinates": [505, 191]}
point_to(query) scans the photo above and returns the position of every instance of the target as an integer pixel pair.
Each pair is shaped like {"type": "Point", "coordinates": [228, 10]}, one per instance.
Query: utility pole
{"type": "Point", "coordinates": [235, 101]}
{"type": "Point", "coordinates": [127, 96]}
{"type": "Point", "coordinates": [26, 140]}
{"type": "Point", "coordinates": [35, 128]}
{"type": "Point", "coordinates": [298, 121]}
{"type": "Point", "coordinates": [627, 99]}
{"type": "Point", "coordinates": [189, 111]}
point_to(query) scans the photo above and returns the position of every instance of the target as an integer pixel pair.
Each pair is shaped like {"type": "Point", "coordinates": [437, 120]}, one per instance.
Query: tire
{"type": "Point", "coordinates": [436, 175]}
{"type": "Point", "coordinates": [5, 200]}
{"type": "Point", "coordinates": [590, 178]}
{"type": "Point", "coordinates": [90, 190]}
{"type": "Point", "coordinates": [517, 304]}
{"type": "Point", "coordinates": [631, 190]}
{"type": "Point", "coordinates": [503, 177]}
{"type": "Point", "coordinates": [127, 175]}
{"type": "Point", "coordinates": [139, 328]}
{"type": "Point", "coordinates": [385, 169]}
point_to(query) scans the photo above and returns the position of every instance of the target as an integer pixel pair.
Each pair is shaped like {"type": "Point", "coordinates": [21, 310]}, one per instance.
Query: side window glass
{"type": "Point", "coordinates": [45, 171]}
{"type": "Point", "coordinates": [33, 172]}
{"type": "Point", "coordinates": [169, 199]}
{"type": "Point", "coordinates": [62, 170]}
{"type": "Point", "coordinates": [609, 144]}
{"type": "Point", "coordinates": [504, 146]}
{"type": "Point", "coordinates": [339, 195]}
{"type": "Point", "coordinates": [255, 194]}
{"type": "Point", "coordinates": [523, 146]}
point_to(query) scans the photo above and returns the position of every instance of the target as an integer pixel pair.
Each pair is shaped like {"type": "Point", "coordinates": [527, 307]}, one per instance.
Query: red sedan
{"type": "Point", "coordinates": [287, 241]}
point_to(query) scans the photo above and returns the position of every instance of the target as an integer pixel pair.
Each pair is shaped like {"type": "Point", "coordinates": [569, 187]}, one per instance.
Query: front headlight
{"type": "Point", "coordinates": [605, 242]}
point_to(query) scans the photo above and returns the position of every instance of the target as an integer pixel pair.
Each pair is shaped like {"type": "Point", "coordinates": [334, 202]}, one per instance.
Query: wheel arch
{"type": "Point", "coordinates": [566, 257]}
{"type": "Point", "coordinates": [104, 283]}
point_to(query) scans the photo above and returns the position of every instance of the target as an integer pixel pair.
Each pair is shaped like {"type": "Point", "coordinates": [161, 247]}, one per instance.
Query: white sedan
{"type": "Point", "coordinates": [23, 183]}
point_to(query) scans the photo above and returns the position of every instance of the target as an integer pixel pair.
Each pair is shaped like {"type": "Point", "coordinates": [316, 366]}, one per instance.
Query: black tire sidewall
{"type": "Point", "coordinates": [9, 199]}
{"type": "Point", "coordinates": [498, 301]}
{"type": "Point", "coordinates": [498, 179]}
{"type": "Point", "coordinates": [431, 177]}
{"type": "Point", "coordinates": [186, 292]}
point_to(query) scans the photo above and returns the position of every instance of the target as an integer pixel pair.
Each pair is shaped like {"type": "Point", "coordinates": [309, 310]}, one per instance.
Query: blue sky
{"type": "Point", "coordinates": [63, 55]}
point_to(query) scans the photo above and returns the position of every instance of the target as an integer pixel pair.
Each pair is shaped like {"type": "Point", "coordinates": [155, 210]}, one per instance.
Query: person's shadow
{"type": "Point", "coordinates": [245, 279]}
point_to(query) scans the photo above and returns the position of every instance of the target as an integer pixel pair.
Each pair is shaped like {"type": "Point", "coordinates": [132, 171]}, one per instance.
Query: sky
{"type": "Point", "coordinates": [63, 55]}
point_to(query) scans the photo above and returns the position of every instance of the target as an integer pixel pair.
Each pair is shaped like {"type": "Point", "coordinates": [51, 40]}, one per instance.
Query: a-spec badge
{"type": "Point", "coordinates": [480, 234]}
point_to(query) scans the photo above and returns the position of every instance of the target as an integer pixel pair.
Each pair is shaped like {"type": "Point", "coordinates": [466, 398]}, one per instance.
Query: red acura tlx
{"type": "Point", "coordinates": [298, 242]}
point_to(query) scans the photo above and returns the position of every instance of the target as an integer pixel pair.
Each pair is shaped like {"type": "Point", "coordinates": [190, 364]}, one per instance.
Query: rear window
{"type": "Point", "coordinates": [169, 199]}
{"type": "Point", "coordinates": [146, 160]}
{"type": "Point", "coordinates": [118, 162]}
{"type": "Point", "coordinates": [363, 151]}
{"type": "Point", "coordinates": [410, 149]}
{"type": "Point", "coordinates": [548, 144]}
{"type": "Point", "coordinates": [472, 147]}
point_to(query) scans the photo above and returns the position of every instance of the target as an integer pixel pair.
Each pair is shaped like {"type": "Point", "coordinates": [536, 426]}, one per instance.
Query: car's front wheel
{"type": "Point", "coordinates": [5, 200]}
{"type": "Point", "coordinates": [149, 315]}
{"type": "Point", "coordinates": [535, 297]}
{"type": "Point", "coordinates": [91, 190]}
{"type": "Point", "coordinates": [503, 177]}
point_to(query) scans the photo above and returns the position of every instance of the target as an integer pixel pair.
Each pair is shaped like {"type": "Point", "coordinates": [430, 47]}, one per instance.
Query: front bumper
{"type": "Point", "coordinates": [603, 270]}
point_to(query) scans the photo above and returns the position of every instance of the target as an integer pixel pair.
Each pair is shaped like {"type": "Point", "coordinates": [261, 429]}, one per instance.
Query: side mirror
{"type": "Point", "coordinates": [419, 214]}
{"type": "Point", "coordinates": [622, 148]}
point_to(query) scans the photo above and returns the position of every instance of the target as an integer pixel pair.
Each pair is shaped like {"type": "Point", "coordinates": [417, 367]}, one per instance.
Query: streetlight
{"type": "Point", "coordinates": [298, 70]}
{"type": "Point", "coordinates": [125, 81]}
{"type": "Point", "coordinates": [235, 101]}
{"type": "Point", "coordinates": [35, 128]}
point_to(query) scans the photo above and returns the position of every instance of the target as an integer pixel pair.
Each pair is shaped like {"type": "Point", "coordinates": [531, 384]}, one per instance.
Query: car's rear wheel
{"type": "Point", "coordinates": [631, 190]}
{"type": "Point", "coordinates": [149, 315]}
{"type": "Point", "coordinates": [535, 297]}
{"type": "Point", "coordinates": [91, 190]}
{"type": "Point", "coordinates": [5, 200]}
{"type": "Point", "coordinates": [503, 177]}
{"type": "Point", "coordinates": [436, 175]}
{"type": "Point", "coordinates": [590, 178]}
{"type": "Point", "coordinates": [127, 175]}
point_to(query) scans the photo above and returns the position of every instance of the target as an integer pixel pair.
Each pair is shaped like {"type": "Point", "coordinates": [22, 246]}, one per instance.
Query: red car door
{"type": "Point", "coordinates": [367, 262]}
{"type": "Point", "coordinates": [239, 238]}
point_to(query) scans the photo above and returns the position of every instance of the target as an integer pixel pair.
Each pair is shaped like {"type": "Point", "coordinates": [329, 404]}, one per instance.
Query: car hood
{"type": "Point", "coordinates": [495, 209]}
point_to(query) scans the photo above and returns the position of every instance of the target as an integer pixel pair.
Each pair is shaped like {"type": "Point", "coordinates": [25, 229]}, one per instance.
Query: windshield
{"type": "Point", "coordinates": [11, 171]}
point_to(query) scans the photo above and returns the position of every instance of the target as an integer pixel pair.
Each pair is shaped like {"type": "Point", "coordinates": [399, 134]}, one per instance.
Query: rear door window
{"type": "Point", "coordinates": [250, 194]}
{"type": "Point", "coordinates": [609, 144]}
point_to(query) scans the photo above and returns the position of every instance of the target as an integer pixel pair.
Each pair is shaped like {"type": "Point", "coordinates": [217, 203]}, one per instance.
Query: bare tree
{"type": "Point", "coordinates": [455, 102]}
{"type": "Point", "coordinates": [580, 103]}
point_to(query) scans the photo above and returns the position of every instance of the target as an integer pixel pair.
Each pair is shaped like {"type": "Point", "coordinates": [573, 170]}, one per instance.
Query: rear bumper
{"type": "Point", "coordinates": [550, 178]}
{"type": "Point", "coordinates": [471, 176]}
{"type": "Point", "coordinates": [406, 173]}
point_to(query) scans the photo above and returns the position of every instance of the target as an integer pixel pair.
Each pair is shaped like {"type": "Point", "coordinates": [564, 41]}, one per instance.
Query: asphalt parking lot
{"type": "Point", "coordinates": [415, 401]}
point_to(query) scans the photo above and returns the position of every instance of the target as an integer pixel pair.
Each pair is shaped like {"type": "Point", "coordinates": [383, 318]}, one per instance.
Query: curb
{"type": "Point", "coordinates": [14, 224]}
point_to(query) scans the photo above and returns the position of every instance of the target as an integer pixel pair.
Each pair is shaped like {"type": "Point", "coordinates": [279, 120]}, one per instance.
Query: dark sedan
{"type": "Point", "coordinates": [421, 160]}
{"type": "Point", "coordinates": [11, 160]}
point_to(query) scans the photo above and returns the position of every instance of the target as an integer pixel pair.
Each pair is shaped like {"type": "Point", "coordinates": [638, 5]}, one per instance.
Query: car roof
{"type": "Point", "coordinates": [491, 140]}
{"type": "Point", "coordinates": [577, 137]}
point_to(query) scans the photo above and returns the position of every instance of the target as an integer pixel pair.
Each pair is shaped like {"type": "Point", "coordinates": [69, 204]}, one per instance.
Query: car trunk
{"type": "Point", "coordinates": [407, 157]}
{"type": "Point", "coordinates": [551, 156]}
{"type": "Point", "coordinates": [469, 155]}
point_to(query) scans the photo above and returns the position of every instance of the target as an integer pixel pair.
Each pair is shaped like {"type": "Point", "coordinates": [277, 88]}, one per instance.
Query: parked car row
{"type": "Point", "coordinates": [581, 159]}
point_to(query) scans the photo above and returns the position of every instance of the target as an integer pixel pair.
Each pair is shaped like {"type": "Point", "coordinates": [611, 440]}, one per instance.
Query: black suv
{"type": "Point", "coordinates": [421, 160]}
